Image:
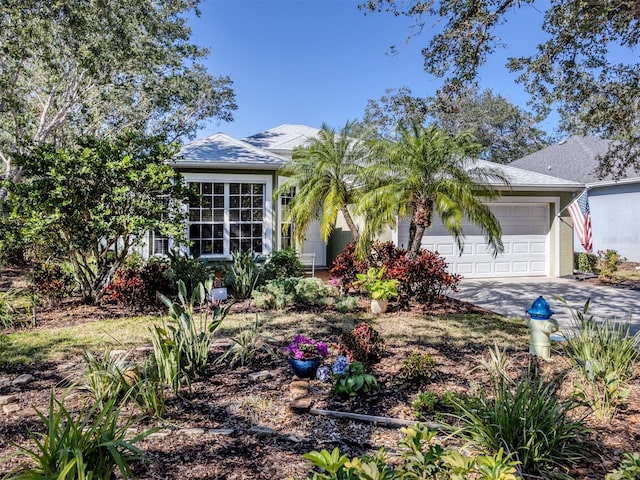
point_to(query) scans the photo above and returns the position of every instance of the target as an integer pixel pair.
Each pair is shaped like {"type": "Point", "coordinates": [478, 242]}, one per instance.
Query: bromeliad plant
{"type": "Point", "coordinates": [303, 347]}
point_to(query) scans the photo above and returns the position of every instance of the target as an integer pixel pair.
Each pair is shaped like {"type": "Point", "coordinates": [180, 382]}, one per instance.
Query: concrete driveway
{"type": "Point", "coordinates": [512, 297]}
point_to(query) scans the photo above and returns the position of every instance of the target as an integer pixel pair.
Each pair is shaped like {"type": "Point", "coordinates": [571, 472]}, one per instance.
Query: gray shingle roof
{"type": "Point", "coordinates": [575, 159]}
{"type": "Point", "coordinates": [520, 179]}
{"type": "Point", "coordinates": [283, 138]}
{"type": "Point", "coordinates": [227, 152]}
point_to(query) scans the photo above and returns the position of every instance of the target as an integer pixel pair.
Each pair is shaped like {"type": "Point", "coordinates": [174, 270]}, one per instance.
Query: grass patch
{"type": "Point", "coordinates": [55, 344]}
{"type": "Point", "coordinates": [459, 331]}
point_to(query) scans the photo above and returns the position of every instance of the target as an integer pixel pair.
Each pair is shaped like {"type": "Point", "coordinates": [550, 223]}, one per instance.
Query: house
{"type": "Point", "coordinates": [236, 210]}
{"type": "Point", "coordinates": [615, 218]}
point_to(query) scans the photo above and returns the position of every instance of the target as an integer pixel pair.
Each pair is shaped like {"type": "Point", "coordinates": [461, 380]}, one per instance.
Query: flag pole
{"type": "Point", "coordinates": [586, 189]}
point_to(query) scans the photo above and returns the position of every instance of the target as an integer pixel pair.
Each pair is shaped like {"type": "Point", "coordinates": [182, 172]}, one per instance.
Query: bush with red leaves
{"type": "Point", "coordinates": [423, 279]}
{"type": "Point", "coordinates": [363, 344]}
{"type": "Point", "coordinates": [138, 286]}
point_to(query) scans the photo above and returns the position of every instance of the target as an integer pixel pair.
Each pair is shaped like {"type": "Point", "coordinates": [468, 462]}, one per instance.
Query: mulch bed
{"type": "Point", "coordinates": [226, 399]}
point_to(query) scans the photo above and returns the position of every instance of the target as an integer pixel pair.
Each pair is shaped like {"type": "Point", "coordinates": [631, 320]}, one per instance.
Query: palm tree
{"type": "Point", "coordinates": [425, 171]}
{"type": "Point", "coordinates": [322, 175]}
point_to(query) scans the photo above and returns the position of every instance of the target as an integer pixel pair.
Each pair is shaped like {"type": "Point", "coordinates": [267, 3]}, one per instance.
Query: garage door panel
{"type": "Point", "coordinates": [539, 247]}
{"type": "Point", "coordinates": [483, 268]}
{"type": "Point", "coordinates": [502, 267]}
{"type": "Point", "coordinates": [520, 248]}
{"type": "Point", "coordinates": [525, 230]}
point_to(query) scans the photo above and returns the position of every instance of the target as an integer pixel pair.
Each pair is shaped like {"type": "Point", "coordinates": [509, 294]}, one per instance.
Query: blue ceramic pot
{"type": "Point", "coordinates": [306, 367]}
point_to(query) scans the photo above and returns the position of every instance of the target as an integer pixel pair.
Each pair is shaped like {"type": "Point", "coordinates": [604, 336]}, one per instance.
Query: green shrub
{"type": "Point", "coordinates": [364, 344]}
{"type": "Point", "coordinates": [525, 417]}
{"type": "Point", "coordinates": [283, 264]}
{"type": "Point", "coordinates": [608, 262]}
{"type": "Point", "coordinates": [629, 468]}
{"type": "Point", "coordinates": [181, 346]}
{"type": "Point", "coordinates": [604, 353]}
{"type": "Point", "coordinates": [586, 262]}
{"type": "Point", "coordinates": [275, 293]}
{"type": "Point", "coordinates": [8, 315]}
{"type": "Point", "coordinates": [419, 458]}
{"type": "Point", "coordinates": [347, 304]}
{"type": "Point", "coordinates": [355, 381]}
{"type": "Point", "coordinates": [313, 292]}
{"type": "Point", "coordinates": [50, 283]}
{"type": "Point", "coordinates": [296, 291]}
{"type": "Point", "coordinates": [90, 446]}
{"type": "Point", "coordinates": [424, 403]}
{"type": "Point", "coordinates": [246, 346]}
{"type": "Point", "coordinates": [244, 273]}
{"type": "Point", "coordinates": [441, 406]}
{"type": "Point", "coordinates": [418, 367]}
{"type": "Point", "coordinates": [191, 271]}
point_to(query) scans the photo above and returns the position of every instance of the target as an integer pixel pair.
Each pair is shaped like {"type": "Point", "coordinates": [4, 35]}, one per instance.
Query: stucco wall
{"type": "Point", "coordinates": [615, 219]}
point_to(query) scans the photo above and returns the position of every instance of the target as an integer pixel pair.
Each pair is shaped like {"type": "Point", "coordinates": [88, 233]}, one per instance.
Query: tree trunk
{"type": "Point", "coordinates": [416, 242]}
{"type": "Point", "coordinates": [355, 233]}
{"type": "Point", "coordinates": [421, 217]}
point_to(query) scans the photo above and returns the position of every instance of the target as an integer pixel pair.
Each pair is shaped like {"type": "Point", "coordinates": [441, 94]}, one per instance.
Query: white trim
{"type": "Point", "coordinates": [266, 180]}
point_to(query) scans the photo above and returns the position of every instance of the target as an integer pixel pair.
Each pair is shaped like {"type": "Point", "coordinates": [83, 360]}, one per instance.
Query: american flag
{"type": "Point", "coordinates": [581, 216]}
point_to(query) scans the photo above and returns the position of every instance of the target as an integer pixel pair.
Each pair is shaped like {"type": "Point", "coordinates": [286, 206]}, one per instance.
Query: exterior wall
{"type": "Point", "coordinates": [563, 224]}
{"type": "Point", "coordinates": [615, 219]}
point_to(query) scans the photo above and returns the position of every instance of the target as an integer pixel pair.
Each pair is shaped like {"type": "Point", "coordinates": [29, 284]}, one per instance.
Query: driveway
{"type": "Point", "coordinates": [512, 297]}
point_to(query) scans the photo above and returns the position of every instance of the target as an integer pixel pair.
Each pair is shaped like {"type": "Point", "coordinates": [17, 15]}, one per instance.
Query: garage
{"type": "Point", "coordinates": [525, 234]}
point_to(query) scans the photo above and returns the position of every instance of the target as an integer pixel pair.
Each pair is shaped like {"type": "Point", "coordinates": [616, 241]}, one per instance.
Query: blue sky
{"type": "Point", "coordinates": [314, 61]}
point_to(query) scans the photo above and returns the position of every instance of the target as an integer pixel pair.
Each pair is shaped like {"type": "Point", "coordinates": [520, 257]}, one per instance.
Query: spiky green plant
{"type": "Point", "coordinates": [526, 418]}
{"type": "Point", "coordinates": [181, 346]}
{"type": "Point", "coordinates": [88, 446]}
{"type": "Point", "coordinates": [246, 345]}
{"type": "Point", "coordinates": [103, 377]}
{"type": "Point", "coordinates": [604, 353]}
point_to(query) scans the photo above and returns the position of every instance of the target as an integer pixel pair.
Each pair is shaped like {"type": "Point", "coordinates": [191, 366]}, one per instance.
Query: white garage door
{"type": "Point", "coordinates": [525, 234]}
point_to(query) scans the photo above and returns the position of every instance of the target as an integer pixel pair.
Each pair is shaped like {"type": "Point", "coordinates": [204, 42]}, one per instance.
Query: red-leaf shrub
{"type": "Point", "coordinates": [50, 283]}
{"type": "Point", "coordinates": [423, 279]}
{"type": "Point", "coordinates": [138, 286]}
{"type": "Point", "coordinates": [363, 344]}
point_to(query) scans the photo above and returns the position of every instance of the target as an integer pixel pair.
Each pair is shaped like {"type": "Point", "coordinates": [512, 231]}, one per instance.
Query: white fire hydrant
{"type": "Point", "coordinates": [541, 325]}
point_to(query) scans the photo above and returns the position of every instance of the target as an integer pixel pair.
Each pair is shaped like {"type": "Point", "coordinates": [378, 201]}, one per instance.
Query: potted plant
{"type": "Point", "coordinates": [306, 355]}
{"type": "Point", "coordinates": [380, 289]}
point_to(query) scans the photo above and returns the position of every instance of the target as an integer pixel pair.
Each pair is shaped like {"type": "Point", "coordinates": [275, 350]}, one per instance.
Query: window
{"type": "Point", "coordinates": [158, 244]}
{"type": "Point", "coordinates": [228, 216]}
{"type": "Point", "coordinates": [285, 231]}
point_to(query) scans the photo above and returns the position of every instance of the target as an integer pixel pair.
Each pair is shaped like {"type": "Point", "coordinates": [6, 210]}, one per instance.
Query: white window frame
{"type": "Point", "coordinates": [226, 178]}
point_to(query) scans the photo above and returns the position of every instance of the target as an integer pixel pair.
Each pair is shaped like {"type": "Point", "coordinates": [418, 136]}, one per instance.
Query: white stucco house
{"type": "Point", "coordinates": [236, 179]}
{"type": "Point", "coordinates": [614, 204]}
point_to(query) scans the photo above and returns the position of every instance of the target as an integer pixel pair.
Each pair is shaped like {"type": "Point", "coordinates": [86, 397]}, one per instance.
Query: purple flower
{"type": "Point", "coordinates": [303, 347]}
{"type": "Point", "coordinates": [323, 350]}
{"type": "Point", "coordinates": [340, 365]}
{"type": "Point", "coordinates": [323, 373]}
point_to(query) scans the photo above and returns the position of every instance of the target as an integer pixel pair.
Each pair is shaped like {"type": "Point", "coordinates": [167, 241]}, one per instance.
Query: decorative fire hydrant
{"type": "Point", "coordinates": [541, 325]}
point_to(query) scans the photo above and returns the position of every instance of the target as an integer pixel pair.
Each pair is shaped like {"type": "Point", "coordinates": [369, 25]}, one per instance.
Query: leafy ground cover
{"type": "Point", "coordinates": [457, 336]}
